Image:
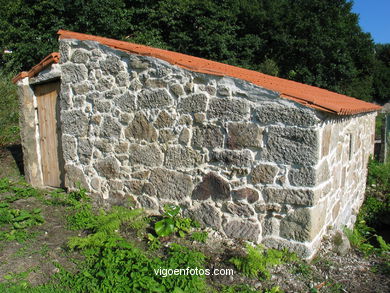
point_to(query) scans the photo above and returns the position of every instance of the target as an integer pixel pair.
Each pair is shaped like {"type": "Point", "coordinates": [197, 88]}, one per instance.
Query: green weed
{"type": "Point", "coordinates": [19, 279]}
{"type": "Point", "coordinates": [154, 242]}
{"type": "Point", "coordinates": [105, 227]}
{"type": "Point", "coordinates": [258, 260]}
{"type": "Point", "coordinates": [17, 190]}
{"type": "Point", "coordinates": [81, 216]}
{"type": "Point", "coordinates": [382, 268]}
{"type": "Point", "coordinates": [243, 288]}
{"type": "Point", "coordinates": [375, 208]}
{"type": "Point", "coordinates": [172, 223]}
{"type": "Point", "coordinates": [303, 269]}
{"type": "Point", "coordinates": [378, 176]}
{"type": "Point", "coordinates": [15, 222]}
{"type": "Point", "coordinates": [11, 287]}
{"type": "Point", "coordinates": [200, 236]}
{"type": "Point", "coordinates": [113, 264]}
{"type": "Point", "coordinates": [362, 237]}
{"type": "Point", "coordinates": [5, 184]}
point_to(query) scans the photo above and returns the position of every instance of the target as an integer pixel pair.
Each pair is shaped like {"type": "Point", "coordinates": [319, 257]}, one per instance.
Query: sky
{"type": "Point", "coordinates": [374, 18]}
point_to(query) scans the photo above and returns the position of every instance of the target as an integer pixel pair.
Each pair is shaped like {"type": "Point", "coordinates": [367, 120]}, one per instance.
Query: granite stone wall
{"type": "Point", "coordinates": [346, 147]}
{"type": "Point", "coordinates": [235, 156]}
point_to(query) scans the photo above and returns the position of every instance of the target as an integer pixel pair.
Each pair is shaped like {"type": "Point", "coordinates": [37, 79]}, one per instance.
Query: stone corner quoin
{"type": "Point", "coordinates": [237, 157]}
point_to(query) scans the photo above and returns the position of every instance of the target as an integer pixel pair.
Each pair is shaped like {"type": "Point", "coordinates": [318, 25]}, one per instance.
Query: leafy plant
{"type": "Point", "coordinates": [17, 190]}
{"type": "Point", "coordinates": [362, 237]}
{"type": "Point", "coordinates": [303, 269]}
{"type": "Point", "coordinates": [200, 236]}
{"type": "Point", "coordinates": [114, 264]}
{"type": "Point", "coordinates": [16, 221]}
{"type": "Point", "coordinates": [154, 242]}
{"type": "Point", "coordinates": [166, 226]}
{"type": "Point", "coordinates": [375, 209]}
{"type": "Point", "coordinates": [81, 215]}
{"type": "Point", "coordinates": [382, 268]}
{"type": "Point", "coordinates": [19, 279]}
{"type": "Point", "coordinates": [172, 223]}
{"type": "Point", "coordinates": [378, 177]}
{"type": "Point", "coordinates": [383, 245]}
{"type": "Point", "coordinates": [104, 226]}
{"type": "Point", "coordinates": [258, 260]}
{"type": "Point", "coordinates": [5, 184]}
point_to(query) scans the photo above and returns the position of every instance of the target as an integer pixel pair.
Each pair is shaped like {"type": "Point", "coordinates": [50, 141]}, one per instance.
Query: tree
{"type": "Point", "coordinates": [317, 42]}
{"type": "Point", "coordinates": [29, 26]}
{"type": "Point", "coordinates": [382, 73]}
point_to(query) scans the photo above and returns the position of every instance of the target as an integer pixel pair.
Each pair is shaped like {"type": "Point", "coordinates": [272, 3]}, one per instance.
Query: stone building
{"type": "Point", "coordinates": [252, 156]}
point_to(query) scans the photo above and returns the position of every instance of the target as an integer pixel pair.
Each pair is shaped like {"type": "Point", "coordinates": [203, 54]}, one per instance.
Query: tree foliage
{"type": "Point", "coordinates": [318, 42]}
{"type": "Point", "coordinates": [29, 26]}
{"type": "Point", "coordinates": [382, 73]}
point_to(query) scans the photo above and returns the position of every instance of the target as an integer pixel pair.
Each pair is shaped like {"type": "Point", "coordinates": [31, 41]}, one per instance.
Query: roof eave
{"type": "Point", "coordinates": [47, 61]}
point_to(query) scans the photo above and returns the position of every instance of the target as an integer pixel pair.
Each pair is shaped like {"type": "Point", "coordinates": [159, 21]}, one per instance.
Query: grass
{"type": "Point", "coordinates": [9, 111]}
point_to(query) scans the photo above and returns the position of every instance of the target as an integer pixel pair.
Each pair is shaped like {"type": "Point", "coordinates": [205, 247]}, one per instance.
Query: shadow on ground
{"type": "Point", "coordinates": [11, 161]}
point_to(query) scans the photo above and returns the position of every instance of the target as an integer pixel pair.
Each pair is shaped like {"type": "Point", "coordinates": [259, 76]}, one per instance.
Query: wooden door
{"type": "Point", "coordinates": [49, 132]}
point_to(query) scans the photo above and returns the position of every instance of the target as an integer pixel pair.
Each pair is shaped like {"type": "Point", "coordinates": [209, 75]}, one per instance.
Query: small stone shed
{"type": "Point", "coordinates": [253, 156]}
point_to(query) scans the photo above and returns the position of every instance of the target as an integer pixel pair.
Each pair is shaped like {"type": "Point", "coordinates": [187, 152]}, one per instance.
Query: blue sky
{"type": "Point", "coordinates": [374, 18]}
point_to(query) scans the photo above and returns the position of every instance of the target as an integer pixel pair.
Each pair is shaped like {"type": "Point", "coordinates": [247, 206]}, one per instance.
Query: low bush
{"type": "Point", "coordinates": [9, 110]}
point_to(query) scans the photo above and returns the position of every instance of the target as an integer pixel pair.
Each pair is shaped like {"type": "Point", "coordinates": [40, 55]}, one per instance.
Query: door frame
{"type": "Point", "coordinates": [43, 93]}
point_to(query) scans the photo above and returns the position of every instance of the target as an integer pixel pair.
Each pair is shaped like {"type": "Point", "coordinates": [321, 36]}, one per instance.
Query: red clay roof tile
{"type": "Point", "coordinates": [307, 95]}
{"type": "Point", "coordinates": [49, 59]}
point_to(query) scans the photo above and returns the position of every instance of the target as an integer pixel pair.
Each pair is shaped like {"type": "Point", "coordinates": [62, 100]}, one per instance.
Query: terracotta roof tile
{"type": "Point", "coordinates": [49, 59]}
{"type": "Point", "coordinates": [307, 95]}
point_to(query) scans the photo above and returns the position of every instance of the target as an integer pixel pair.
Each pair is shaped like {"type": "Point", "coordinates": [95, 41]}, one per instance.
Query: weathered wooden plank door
{"type": "Point", "coordinates": [49, 132]}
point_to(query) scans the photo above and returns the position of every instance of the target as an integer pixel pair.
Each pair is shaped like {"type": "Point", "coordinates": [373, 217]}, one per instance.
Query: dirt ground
{"type": "Point", "coordinates": [40, 254]}
{"type": "Point", "coordinates": [328, 272]}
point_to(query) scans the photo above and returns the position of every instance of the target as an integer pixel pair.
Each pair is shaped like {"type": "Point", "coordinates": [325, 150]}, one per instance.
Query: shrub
{"type": "Point", "coordinates": [374, 212]}
{"type": "Point", "coordinates": [378, 176]}
{"type": "Point", "coordinates": [9, 111]}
